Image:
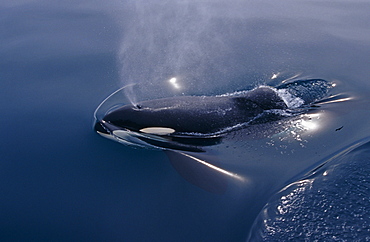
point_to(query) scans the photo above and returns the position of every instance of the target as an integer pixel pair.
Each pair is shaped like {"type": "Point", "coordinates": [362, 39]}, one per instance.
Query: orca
{"type": "Point", "coordinates": [183, 126]}
{"type": "Point", "coordinates": [188, 115]}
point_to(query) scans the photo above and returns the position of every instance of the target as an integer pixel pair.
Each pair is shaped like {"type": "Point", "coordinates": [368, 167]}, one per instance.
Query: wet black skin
{"type": "Point", "coordinates": [194, 114]}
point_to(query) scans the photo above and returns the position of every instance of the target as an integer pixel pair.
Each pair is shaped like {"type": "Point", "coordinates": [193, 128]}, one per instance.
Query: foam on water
{"type": "Point", "coordinates": [290, 100]}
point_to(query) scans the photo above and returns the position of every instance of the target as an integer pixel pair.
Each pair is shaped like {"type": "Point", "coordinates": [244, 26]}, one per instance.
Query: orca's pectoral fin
{"type": "Point", "coordinates": [199, 172]}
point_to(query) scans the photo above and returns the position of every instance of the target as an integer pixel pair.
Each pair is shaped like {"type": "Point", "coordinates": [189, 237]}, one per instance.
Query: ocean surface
{"type": "Point", "coordinates": [60, 181]}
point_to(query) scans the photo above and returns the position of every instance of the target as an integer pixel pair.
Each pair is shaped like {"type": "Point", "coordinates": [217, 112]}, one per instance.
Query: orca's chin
{"type": "Point", "coordinates": [100, 128]}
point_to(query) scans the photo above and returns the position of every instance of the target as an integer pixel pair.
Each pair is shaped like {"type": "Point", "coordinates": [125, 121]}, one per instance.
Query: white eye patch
{"type": "Point", "coordinates": [157, 130]}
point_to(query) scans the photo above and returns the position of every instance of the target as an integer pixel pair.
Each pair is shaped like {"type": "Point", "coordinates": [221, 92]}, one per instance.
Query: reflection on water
{"type": "Point", "coordinates": [173, 81]}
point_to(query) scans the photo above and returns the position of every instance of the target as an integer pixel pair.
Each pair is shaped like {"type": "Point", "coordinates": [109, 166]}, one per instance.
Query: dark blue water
{"type": "Point", "coordinates": [61, 181]}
